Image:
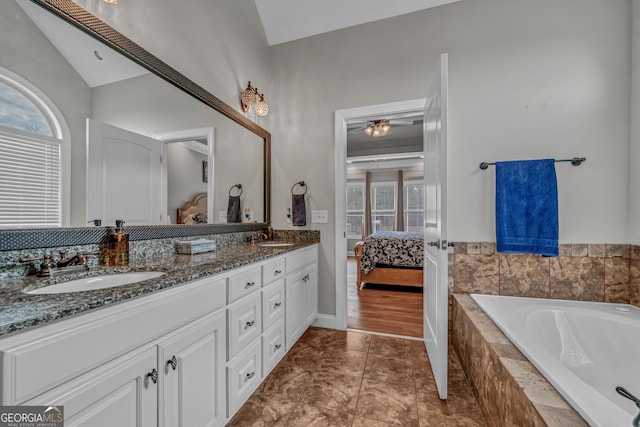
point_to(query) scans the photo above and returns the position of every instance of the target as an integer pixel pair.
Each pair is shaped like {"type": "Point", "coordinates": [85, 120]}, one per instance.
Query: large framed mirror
{"type": "Point", "coordinates": [207, 147]}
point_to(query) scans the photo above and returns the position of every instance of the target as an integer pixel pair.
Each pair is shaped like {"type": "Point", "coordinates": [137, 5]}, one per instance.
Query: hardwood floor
{"type": "Point", "coordinates": [380, 308]}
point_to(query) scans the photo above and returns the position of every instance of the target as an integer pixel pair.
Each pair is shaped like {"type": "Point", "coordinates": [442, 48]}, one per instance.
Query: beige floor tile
{"type": "Point", "coordinates": [389, 369]}
{"type": "Point", "coordinates": [331, 390]}
{"type": "Point", "coordinates": [262, 410]}
{"type": "Point", "coordinates": [365, 422]}
{"type": "Point", "coordinates": [391, 403]}
{"type": "Point", "coordinates": [310, 416]}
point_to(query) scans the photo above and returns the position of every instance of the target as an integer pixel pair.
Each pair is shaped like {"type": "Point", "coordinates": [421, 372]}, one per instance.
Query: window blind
{"type": "Point", "coordinates": [30, 180]}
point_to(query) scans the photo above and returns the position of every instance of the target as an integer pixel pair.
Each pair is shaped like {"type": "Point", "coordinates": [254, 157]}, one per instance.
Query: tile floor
{"type": "Point", "coordinates": [346, 378]}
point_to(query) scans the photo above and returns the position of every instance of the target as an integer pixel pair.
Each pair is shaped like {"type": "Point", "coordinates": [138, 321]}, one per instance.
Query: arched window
{"type": "Point", "coordinates": [34, 153]}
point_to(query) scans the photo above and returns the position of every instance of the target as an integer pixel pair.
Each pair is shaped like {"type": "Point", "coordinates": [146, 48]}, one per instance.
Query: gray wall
{"type": "Point", "coordinates": [527, 80]}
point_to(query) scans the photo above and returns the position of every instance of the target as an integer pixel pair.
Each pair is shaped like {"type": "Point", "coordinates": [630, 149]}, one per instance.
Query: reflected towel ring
{"type": "Point", "coordinates": [239, 187]}
{"type": "Point", "coordinates": [301, 184]}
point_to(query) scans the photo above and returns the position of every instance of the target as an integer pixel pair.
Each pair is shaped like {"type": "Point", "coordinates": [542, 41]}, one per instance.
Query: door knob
{"type": "Point", "coordinates": [435, 243]}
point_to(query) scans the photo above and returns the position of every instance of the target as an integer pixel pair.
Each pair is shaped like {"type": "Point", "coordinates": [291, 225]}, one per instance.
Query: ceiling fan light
{"type": "Point", "coordinates": [385, 128]}
{"type": "Point", "coordinates": [376, 133]}
{"type": "Point", "coordinates": [368, 130]}
{"type": "Point", "coordinates": [111, 1]}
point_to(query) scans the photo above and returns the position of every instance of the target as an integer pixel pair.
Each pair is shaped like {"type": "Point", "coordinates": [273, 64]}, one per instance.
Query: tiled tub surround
{"type": "Point", "coordinates": [585, 272]}
{"type": "Point", "coordinates": [19, 310]}
{"type": "Point", "coordinates": [509, 389]}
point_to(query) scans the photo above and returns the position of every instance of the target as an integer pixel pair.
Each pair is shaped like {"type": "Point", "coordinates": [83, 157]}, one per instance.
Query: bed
{"type": "Point", "coordinates": [391, 258]}
{"type": "Point", "coordinates": [193, 211]}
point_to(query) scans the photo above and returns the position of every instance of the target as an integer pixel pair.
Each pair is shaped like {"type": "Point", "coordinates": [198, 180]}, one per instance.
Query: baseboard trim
{"type": "Point", "coordinates": [326, 321]}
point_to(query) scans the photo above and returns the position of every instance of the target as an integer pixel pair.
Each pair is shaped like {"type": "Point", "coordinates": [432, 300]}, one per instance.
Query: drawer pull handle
{"type": "Point", "coordinates": [275, 273]}
{"type": "Point", "coordinates": [153, 375]}
{"type": "Point", "coordinates": [277, 347]}
{"type": "Point", "coordinates": [173, 362]}
{"type": "Point", "coordinates": [249, 324]}
{"type": "Point", "coordinates": [276, 305]}
{"type": "Point", "coordinates": [249, 284]}
{"type": "Point", "coordinates": [249, 376]}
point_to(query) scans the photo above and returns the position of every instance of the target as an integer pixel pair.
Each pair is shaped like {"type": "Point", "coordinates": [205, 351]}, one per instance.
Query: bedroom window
{"type": "Point", "coordinates": [383, 206]}
{"type": "Point", "coordinates": [413, 206]}
{"type": "Point", "coordinates": [31, 156]}
{"type": "Point", "coordinates": [355, 210]}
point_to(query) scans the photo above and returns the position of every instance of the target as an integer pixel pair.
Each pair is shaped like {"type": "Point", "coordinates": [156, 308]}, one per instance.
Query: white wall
{"type": "Point", "coordinates": [527, 80]}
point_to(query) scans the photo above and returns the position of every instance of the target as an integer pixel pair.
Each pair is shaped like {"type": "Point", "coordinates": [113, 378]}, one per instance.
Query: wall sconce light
{"type": "Point", "coordinates": [248, 98]}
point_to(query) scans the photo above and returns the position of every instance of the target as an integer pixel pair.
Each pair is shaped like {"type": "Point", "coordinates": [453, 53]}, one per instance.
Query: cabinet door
{"type": "Point", "coordinates": [310, 283]}
{"type": "Point", "coordinates": [295, 308]}
{"type": "Point", "coordinates": [119, 393]}
{"type": "Point", "coordinates": [192, 365]}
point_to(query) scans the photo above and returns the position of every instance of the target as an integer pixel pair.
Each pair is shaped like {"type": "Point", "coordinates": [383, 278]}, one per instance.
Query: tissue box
{"type": "Point", "coordinates": [191, 247]}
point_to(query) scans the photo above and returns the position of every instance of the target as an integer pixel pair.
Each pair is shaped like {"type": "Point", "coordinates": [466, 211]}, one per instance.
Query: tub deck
{"type": "Point", "coordinates": [509, 389]}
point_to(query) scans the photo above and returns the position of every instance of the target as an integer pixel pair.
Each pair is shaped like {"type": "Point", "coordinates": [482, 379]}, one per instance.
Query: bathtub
{"type": "Point", "coordinates": [585, 349]}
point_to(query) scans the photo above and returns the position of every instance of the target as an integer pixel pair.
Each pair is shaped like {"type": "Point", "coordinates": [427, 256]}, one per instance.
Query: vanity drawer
{"type": "Point", "coordinates": [272, 271]}
{"type": "Point", "coordinates": [272, 304]}
{"type": "Point", "coordinates": [243, 376]}
{"type": "Point", "coordinates": [243, 282]}
{"type": "Point", "coordinates": [301, 258]}
{"type": "Point", "coordinates": [273, 347]}
{"type": "Point", "coordinates": [244, 320]}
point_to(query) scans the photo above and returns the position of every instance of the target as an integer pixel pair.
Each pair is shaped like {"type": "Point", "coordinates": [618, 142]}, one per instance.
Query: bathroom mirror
{"type": "Point", "coordinates": [149, 98]}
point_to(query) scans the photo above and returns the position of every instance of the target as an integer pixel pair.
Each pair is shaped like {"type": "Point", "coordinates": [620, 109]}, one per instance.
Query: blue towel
{"type": "Point", "coordinates": [527, 207]}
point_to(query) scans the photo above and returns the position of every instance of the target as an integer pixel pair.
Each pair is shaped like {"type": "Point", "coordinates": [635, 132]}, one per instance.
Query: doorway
{"type": "Point", "coordinates": [377, 308]}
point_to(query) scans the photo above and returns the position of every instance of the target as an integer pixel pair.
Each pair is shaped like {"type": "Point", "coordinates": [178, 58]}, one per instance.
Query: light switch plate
{"type": "Point", "coordinates": [319, 217]}
{"type": "Point", "coordinates": [222, 216]}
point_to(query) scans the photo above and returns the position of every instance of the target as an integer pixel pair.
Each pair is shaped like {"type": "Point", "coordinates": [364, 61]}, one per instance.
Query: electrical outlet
{"type": "Point", "coordinates": [319, 217]}
{"type": "Point", "coordinates": [222, 216]}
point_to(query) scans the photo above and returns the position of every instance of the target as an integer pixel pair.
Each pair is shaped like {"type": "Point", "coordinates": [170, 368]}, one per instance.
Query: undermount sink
{"type": "Point", "coordinates": [97, 282]}
{"type": "Point", "coordinates": [275, 244]}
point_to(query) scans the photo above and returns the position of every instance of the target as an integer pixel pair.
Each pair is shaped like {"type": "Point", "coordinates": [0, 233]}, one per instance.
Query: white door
{"type": "Point", "coordinates": [435, 226]}
{"type": "Point", "coordinates": [123, 176]}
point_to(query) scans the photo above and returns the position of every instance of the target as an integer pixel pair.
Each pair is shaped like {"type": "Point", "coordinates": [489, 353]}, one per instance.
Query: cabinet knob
{"type": "Point", "coordinates": [249, 324]}
{"type": "Point", "coordinates": [153, 375]}
{"type": "Point", "coordinates": [277, 347]}
{"type": "Point", "coordinates": [275, 273]}
{"type": "Point", "coordinates": [249, 284]}
{"type": "Point", "coordinates": [249, 376]}
{"type": "Point", "coordinates": [276, 305]}
{"type": "Point", "coordinates": [173, 362]}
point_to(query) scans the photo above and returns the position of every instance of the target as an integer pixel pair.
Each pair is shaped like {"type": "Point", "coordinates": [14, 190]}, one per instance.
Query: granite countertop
{"type": "Point", "coordinates": [20, 311]}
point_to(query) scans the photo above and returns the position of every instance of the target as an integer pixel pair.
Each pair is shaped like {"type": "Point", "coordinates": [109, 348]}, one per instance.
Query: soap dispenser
{"type": "Point", "coordinates": [119, 245]}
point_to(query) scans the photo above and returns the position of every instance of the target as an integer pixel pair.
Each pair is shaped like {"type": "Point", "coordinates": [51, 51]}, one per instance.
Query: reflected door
{"type": "Point", "coordinates": [435, 227]}
{"type": "Point", "coordinates": [123, 176]}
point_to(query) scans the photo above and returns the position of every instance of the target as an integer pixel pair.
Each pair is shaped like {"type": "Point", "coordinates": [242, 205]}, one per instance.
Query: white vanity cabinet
{"type": "Point", "coordinates": [189, 355]}
{"type": "Point", "coordinates": [301, 283]}
{"type": "Point", "coordinates": [108, 367]}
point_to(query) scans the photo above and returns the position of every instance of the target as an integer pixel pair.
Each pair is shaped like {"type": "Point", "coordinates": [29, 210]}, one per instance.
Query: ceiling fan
{"type": "Point", "coordinates": [379, 127]}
